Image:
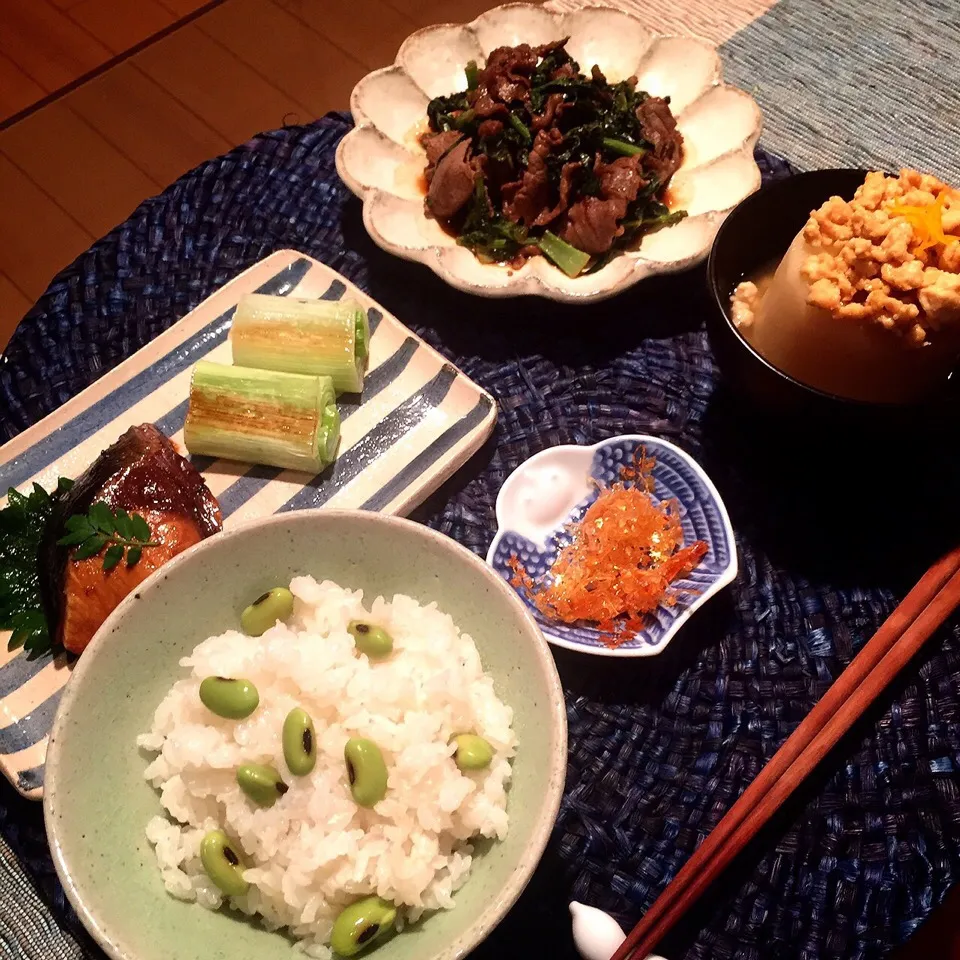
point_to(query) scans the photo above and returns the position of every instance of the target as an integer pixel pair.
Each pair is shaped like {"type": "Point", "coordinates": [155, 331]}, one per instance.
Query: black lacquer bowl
{"type": "Point", "coordinates": [756, 233]}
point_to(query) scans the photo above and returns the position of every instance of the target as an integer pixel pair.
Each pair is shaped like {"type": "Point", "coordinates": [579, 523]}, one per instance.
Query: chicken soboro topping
{"type": "Point", "coordinates": [889, 256]}
{"type": "Point", "coordinates": [535, 157]}
{"type": "Point", "coordinates": [621, 562]}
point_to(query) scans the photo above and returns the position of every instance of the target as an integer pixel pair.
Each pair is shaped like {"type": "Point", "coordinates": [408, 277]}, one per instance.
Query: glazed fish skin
{"type": "Point", "coordinates": [141, 473]}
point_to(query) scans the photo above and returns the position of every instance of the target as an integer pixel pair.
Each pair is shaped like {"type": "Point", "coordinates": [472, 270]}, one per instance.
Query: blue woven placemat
{"type": "Point", "coordinates": [829, 534]}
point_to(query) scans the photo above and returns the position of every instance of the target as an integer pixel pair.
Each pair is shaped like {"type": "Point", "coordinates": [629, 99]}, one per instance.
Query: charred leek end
{"type": "Point", "coordinates": [262, 416]}
{"type": "Point", "coordinates": [569, 259]}
{"type": "Point", "coordinates": [328, 338]}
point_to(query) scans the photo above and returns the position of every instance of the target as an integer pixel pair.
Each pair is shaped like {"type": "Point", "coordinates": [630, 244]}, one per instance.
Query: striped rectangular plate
{"type": "Point", "coordinates": [417, 421]}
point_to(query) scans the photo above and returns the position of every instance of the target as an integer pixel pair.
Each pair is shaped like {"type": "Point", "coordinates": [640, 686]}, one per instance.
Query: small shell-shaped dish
{"type": "Point", "coordinates": [382, 162]}
{"type": "Point", "coordinates": [555, 487]}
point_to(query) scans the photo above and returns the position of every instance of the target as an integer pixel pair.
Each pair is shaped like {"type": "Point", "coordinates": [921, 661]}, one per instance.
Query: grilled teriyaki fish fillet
{"type": "Point", "coordinates": [141, 473]}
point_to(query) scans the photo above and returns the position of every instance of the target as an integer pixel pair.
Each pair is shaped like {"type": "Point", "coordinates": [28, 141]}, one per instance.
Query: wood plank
{"type": "Point", "coordinates": [47, 239]}
{"type": "Point", "coordinates": [46, 44]}
{"type": "Point", "coordinates": [90, 179]}
{"type": "Point", "coordinates": [224, 92]}
{"type": "Point", "coordinates": [296, 60]}
{"type": "Point", "coordinates": [14, 303]}
{"type": "Point", "coordinates": [181, 8]}
{"type": "Point", "coordinates": [17, 90]}
{"type": "Point", "coordinates": [146, 123]}
{"type": "Point", "coordinates": [416, 10]}
{"type": "Point", "coordinates": [341, 22]}
{"type": "Point", "coordinates": [120, 24]}
{"type": "Point", "coordinates": [425, 13]}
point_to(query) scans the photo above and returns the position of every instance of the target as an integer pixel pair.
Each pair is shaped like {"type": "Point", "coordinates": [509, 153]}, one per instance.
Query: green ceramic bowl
{"type": "Point", "coordinates": [97, 803]}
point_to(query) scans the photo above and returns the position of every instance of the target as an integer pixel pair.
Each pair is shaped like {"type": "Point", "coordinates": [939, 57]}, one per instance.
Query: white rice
{"type": "Point", "coordinates": [315, 850]}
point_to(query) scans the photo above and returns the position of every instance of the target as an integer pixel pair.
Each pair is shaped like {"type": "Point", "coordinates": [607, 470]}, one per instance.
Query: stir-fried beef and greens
{"type": "Point", "coordinates": [534, 157]}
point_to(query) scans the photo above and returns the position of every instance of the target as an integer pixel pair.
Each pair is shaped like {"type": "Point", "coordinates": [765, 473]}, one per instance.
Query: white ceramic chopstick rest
{"type": "Point", "coordinates": [596, 934]}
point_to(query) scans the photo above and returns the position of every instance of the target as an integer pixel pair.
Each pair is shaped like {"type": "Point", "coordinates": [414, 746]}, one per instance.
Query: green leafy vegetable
{"type": "Point", "coordinates": [124, 524]}
{"type": "Point", "coordinates": [521, 128]}
{"type": "Point", "coordinates": [491, 236]}
{"type": "Point", "coordinates": [472, 72]}
{"type": "Point", "coordinates": [442, 111]}
{"type": "Point", "coordinates": [101, 516]}
{"type": "Point", "coordinates": [30, 630]}
{"type": "Point", "coordinates": [585, 119]}
{"type": "Point", "coordinates": [140, 529]}
{"type": "Point", "coordinates": [90, 547]}
{"type": "Point", "coordinates": [656, 217]}
{"type": "Point", "coordinates": [464, 120]}
{"type": "Point", "coordinates": [117, 531]}
{"type": "Point", "coordinates": [623, 148]}
{"type": "Point", "coordinates": [568, 258]}
{"type": "Point", "coordinates": [22, 524]}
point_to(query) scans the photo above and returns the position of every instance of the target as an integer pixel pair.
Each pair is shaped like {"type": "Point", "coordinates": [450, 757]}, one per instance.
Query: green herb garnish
{"type": "Point", "coordinates": [121, 533]}
{"type": "Point", "coordinates": [22, 523]}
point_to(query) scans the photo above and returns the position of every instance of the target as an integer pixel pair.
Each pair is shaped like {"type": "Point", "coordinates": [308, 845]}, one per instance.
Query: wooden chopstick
{"type": "Point", "coordinates": [902, 634]}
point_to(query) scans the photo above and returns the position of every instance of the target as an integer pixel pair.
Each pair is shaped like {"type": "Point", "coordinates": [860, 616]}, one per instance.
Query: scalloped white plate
{"type": "Point", "coordinates": [382, 162]}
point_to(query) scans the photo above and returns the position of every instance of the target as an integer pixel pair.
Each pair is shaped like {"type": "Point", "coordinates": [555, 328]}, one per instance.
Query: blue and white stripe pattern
{"type": "Point", "coordinates": [417, 419]}
{"type": "Point", "coordinates": [702, 515]}
{"type": "Point", "coordinates": [55, 445]}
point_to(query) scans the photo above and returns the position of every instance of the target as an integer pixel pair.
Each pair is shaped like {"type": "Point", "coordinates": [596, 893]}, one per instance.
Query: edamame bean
{"type": "Point", "coordinates": [223, 864]}
{"type": "Point", "coordinates": [299, 742]}
{"type": "Point", "coordinates": [266, 610]}
{"type": "Point", "coordinates": [370, 639]}
{"type": "Point", "coordinates": [360, 924]}
{"type": "Point", "coordinates": [228, 697]}
{"type": "Point", "coordinates": [262, 784]}
{"type": "Point", "coordinates": [366, 771]}
{"type": "Point", "coordinates": [473, 752]}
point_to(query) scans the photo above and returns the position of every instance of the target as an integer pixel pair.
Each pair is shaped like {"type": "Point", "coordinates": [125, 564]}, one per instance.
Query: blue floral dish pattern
{"type": "Point", "coordinates": [676, 476]}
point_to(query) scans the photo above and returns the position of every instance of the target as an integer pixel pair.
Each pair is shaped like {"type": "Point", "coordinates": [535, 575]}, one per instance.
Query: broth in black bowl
{"type": "Point", "coordinates": [754, 239]}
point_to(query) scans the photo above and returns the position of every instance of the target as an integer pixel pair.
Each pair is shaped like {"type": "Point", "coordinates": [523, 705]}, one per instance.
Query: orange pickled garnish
{"type": "Point", "coordinates": [927, 223]}
{"type": "Point", "coordinates": [624, 555]}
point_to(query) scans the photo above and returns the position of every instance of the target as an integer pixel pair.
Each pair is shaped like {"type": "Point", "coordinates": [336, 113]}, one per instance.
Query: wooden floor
{"type": "Point", "coordinates": [72, 169]}
{"type": "Point", "coordinates": [77, 166]}
{"type": "Point", "coordinates": [45, 46]}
